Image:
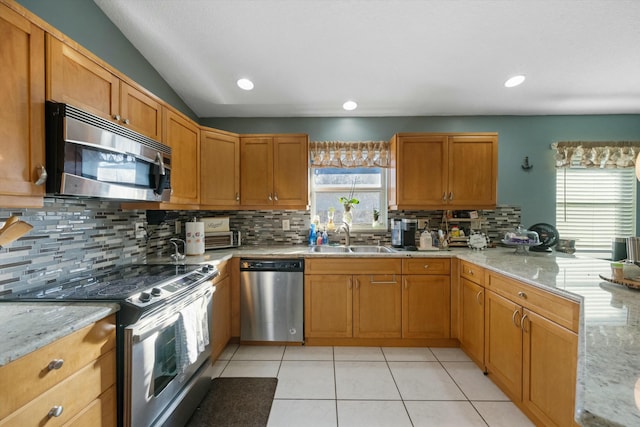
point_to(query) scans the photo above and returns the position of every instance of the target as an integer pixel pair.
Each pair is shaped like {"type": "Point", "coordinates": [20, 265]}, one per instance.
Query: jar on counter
{"type": "Point", "coordinates": [617, 271]}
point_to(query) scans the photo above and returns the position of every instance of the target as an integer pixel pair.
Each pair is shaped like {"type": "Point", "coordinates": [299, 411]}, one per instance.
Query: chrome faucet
{"type": "Point", "coordinates": [347, 231]}
{"type": "Point", "coordinates": [177, 256]}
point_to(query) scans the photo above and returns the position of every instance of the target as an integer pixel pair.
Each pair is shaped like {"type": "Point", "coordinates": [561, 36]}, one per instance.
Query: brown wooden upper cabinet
{"type": "Point", "coordinates": [183, 136]}
{"type": "Point", "coordinates": [21, 110]}
{"type": "Point", "coordinates": [274, 171]}
{"type": "Point", "coordinates": [443, 171]}
{"type": "Point", "coordinates": [220, 169]}
{"type": "Point", "coordinates": [76, 79]}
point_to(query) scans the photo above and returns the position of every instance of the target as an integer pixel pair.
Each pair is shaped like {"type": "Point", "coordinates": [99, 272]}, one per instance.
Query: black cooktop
{"type": "Point", "coordinates": [114, 284]}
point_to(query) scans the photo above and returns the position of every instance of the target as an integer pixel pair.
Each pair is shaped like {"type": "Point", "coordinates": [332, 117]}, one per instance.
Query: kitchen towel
{"type": "Point", "coordinates": [195, 238]}
{"type": "Point", "coordinates": [193, 333]}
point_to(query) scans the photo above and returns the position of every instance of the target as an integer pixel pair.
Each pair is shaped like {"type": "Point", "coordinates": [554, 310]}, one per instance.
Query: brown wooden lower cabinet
{"type": "Point", "coordinates": [472, 305]}
{"type": "Point", "coordinates": [79, 387]}
{"type": "Point", "coordinates": [221, 328]}
{"type": "Point", "coordinates": [531, 358]}
{"type": "Point", "coordinates": [328, 300]}
{"type": "Point", "coordinates": [426, 306]}
{"type": "Point", "coordinates": [377, 306]}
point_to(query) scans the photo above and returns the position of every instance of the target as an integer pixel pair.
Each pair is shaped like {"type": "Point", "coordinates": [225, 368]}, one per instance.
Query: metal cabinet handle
{"type": "Point", "coordinates": [126, 121]}
{"type": "Point", "coordinates": [269, 197]}
{"type": "Point", "coordinates": [237, 197]}
{"type": "Point", "coordinates": [513, 318]}
{"type": "Point", "coordinates": [444, 196]}
{"type": "Point", "coordinates": [478, 297]}
{"type": "Point", "coordinates": [470, 272]}
{"type": "Point", "coordinates": [522, 323]}
{"type": "Point", "coordinates": [42, 175]}
{"type": "Point", "coordinates": [275, 196]}
{"type": "Point", "coordinates": [384, 282]}
{"type": "Point", "coordinates": [55, 364]}
{"type": "Point", "coordinates": [522, 295]}
{"type": "Point", "coordinates": [56, 411]}
{"type": "Point", "coordinates": [451, 195]}
{"type": "Point", "coordinates": [357, 284]}
{"type": "Point", "coordinates": [116, 117]}
{"type": "Point", "coordinates": [425, 266]}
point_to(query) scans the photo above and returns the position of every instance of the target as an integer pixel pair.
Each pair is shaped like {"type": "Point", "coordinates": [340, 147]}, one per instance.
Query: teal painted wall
{"type": "Point", "coordinates": [519, 136]}
{"type": "Point", "coordinates": [85, 23]}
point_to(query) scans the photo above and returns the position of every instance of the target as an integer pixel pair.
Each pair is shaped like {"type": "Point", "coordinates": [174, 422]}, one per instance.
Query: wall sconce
{"type": "Point", "coordinates": [12, 230]}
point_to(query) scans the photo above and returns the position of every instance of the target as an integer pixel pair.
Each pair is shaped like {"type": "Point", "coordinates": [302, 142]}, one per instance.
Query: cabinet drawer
{"type": "Point", "coordinates": [554, 307]}
{"type": "Point", "coordinates": [101, 412]}
{"type": "Point", "coordinates": [426, 266]}
{"type": "Point", "coordinates": [30, 376]}
{"type": "Point", "coordinates": [472, 272]}
{"type": "Point", "coordinates": [351, 265]}
{"type": "Point", "coordinates": [73, 395]}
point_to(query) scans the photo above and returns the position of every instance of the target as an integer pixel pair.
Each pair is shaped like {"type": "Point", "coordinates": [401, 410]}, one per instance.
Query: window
{"type": "Point", "coordinates": [595, 205]}
{"type": "Point", "coordinates": [369, 187]}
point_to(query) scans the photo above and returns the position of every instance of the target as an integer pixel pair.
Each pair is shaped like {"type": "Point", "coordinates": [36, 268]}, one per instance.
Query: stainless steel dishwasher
{"type": "Point", "coordinates": [272, 300]}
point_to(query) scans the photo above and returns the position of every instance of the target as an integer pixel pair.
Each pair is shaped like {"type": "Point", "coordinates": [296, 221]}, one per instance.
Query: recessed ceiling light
{"type": "Point", "coordinates": [350, 105]}
{"type": "Point", "coordinates": [245, 84]}
{"type": "Point", "coordinates": [514, 81]}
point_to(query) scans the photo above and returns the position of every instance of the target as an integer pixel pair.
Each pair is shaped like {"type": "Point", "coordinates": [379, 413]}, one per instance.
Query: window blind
{"type": "Point", "coordinates": [595, 205]}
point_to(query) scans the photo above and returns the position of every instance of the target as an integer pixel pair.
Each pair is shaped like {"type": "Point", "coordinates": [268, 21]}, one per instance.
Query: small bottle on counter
{"type": "Point", "coordinates": [325, 238]}
{"type": "Point", "coordinates": [312, 235]}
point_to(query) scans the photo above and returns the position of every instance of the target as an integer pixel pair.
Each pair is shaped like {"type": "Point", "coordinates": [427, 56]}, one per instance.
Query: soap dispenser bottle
{"type": "Point", "coordinates": [312, 235]}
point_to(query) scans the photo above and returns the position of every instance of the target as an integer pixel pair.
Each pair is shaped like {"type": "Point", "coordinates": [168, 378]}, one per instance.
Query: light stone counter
{"type": "Point", "coordinates": [608, 389]}
{"type": "Point", "coordinates": [26, 327]}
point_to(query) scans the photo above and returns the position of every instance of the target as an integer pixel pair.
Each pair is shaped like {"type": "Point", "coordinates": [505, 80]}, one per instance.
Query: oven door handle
{"type": "Point", "coordinates": [160, 321]}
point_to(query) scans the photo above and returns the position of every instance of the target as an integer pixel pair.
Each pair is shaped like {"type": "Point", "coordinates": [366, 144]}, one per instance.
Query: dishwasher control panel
{"type": "Point", "coordinates": [272, 264]}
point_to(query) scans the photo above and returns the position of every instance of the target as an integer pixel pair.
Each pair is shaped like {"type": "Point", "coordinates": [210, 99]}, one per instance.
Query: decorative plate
{"type": "Point", "coordinates": [477, 241]}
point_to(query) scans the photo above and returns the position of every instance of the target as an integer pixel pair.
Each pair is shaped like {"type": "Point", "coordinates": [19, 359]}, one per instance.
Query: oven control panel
{"type": "Point", "coordinates": [173, 287]}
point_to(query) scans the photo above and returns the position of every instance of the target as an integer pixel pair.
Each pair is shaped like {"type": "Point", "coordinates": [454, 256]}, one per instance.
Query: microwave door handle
{"type": "Point", "coordinates": [161, 175]}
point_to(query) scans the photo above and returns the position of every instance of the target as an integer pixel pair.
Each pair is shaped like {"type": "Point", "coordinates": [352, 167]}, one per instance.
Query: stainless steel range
{"type": "Point", "coordinates": [163, 335]}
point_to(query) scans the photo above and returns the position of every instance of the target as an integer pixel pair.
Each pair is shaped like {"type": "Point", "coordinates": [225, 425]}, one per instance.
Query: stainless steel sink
{"type": "Point", "coordinates": [329, 249]}
{"type": "Point", "coordinates": [371, 249]}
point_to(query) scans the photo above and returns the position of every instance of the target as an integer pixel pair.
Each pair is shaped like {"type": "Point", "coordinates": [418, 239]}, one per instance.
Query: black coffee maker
{"type": "Point", "coordinates": [403, 233]}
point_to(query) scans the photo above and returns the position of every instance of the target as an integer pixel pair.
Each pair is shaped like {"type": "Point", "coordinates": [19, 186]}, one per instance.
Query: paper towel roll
{"type": "Point", "coordinates": [195, 238]}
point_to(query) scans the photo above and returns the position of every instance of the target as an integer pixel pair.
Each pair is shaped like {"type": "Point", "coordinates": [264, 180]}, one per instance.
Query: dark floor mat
{"type": "Point", "coordinates": [236, 402]}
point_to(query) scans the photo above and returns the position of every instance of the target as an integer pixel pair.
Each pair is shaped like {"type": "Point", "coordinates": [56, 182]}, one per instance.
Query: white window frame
{"type": "Point", "coordinates": [382, 190]}
{"type": "Point", "coordinates": [594, 203]}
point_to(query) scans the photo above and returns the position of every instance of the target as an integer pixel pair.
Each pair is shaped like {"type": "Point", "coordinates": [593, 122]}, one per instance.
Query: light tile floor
{"type": "Point", "coordinates": [373, 386]}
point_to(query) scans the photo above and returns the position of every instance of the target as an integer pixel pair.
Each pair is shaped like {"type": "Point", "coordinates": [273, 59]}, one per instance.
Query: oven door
{"type": "Point", "coordinates": [158, 372]}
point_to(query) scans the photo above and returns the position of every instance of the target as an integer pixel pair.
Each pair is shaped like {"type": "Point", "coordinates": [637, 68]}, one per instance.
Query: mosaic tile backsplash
{"type": "Point", "coordinates": [77, 235]}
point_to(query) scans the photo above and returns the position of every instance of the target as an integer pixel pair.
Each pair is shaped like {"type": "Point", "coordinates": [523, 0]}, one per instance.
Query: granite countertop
{"type": "Point", "coordinates": [609, 337]}
{"type": "Point", "coordinates": [26, 326]}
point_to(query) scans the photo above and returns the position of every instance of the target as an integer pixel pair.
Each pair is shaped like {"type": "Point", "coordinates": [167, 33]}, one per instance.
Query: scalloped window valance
{"type": "Point", "coordinates": [349, 154]}
{"type": "Point", "coordinates": [589, 154]}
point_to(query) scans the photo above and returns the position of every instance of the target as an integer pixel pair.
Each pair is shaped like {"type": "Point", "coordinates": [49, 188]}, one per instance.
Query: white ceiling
{"type": "Point", "coordinates": [393, 57]}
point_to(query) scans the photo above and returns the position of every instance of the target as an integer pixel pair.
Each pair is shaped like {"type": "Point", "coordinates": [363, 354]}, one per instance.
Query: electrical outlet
{"type": "Point", "coordinates": [285, 225]}
{"type": "Point", "coordinates": [422, 223]}
{"type": "Point", "coordinates": [178, 227]}
{"type": "Point", "coordinates": [140, 231]}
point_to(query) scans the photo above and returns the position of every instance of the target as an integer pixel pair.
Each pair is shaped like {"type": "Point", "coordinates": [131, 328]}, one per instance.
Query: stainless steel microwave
{"type": "Point", "coordinates": [88, 156]}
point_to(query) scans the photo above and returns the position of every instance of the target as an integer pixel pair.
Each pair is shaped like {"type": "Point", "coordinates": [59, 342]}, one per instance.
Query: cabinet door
{"type": "Point", "coordinates": [472, 320]}
{"type": "Point", "coordinates": [140, 112]}
{"type": "Point", "coordinates": [503, 343]}
{"type": "Point", "coordinates": [220, 169]}
{"type": "Point", "coordinates": [377, 306]}
{"type": "Point", "coordinates": [328, 301]}
{"type": "Point", "coordinates": [221, 317]}
{"type": "Point", "coordinates": [426, 306]}
{"type": "Point", "coordinates": [21, 110]}
{"type": "Point", "coordinates": [74, 79]}
{"type": "Point", "coordinates": [473, 171]}
{"type": "Point", "coordinates": [421, 171]}
{"type": "Point", "coordinates": [550, 364]}
{"type": "Point", "coordinates": [290, 171]}
{"type": "Point", "coordinates": [256, 171]}
{"type": "Point", "coordinates": [183, 136]}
